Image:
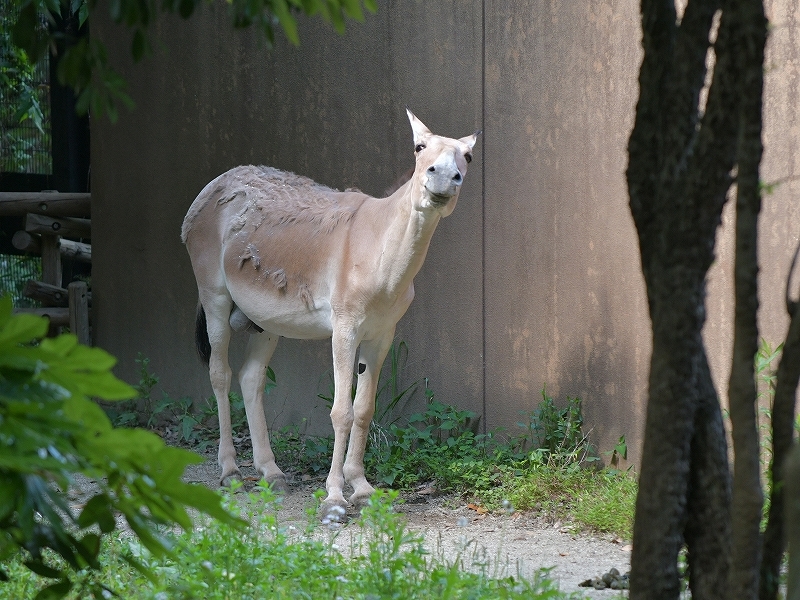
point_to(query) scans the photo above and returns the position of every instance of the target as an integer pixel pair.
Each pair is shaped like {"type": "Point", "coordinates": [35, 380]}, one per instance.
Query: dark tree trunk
{"type": "Point", "coordinates": [707, 531]}
{"type": "Point", "coordinates": [750, 31]}
{"type": "Point", "coordinates": [792, 517]}
{"type": "Point", "coordinates": [681, 157]}
{"type": "Point", "coordinates": [783, 411]}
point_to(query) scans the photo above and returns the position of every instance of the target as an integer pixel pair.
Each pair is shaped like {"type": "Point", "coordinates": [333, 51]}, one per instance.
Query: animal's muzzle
{"type": "Point", "coordinates": [443, 181]}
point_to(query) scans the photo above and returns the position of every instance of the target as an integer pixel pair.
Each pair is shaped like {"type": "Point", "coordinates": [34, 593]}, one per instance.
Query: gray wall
{"type": "Point", "coordinates": [537, 270]}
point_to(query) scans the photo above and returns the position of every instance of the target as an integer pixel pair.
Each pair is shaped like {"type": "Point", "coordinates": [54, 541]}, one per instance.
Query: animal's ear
{"type": "Point", "coordinates": [418, 127]}
{"type": "Point", "coordinates": [471, 139]}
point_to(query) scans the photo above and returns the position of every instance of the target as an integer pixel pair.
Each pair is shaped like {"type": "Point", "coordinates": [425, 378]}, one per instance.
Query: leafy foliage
{"type": "Point", "coordinates": [556, 434]}
{"type": "Point", "coordinates": [84, 65]}
{"type": "Point", "coordinates": [21, 100]}
{"type": "Point", "coordinates": [51, 431]}
{"type": "Point", "coordinates": [274, 560]}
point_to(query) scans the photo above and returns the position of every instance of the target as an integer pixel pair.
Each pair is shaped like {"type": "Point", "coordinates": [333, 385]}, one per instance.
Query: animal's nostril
{"type": "Point", "coordinates": [431, 169]}
{"type": "Point", "coordinates": [457, 177]}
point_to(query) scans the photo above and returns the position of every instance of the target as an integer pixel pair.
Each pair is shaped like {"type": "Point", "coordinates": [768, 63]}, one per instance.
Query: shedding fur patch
{"type": "Point", "coordinates": [250, 253]}
{"type": "Point", "coordinates": [225, 198]}
{"type": "Point", "coordinates": [304, 293]}
{"type": "Point", "coordinates": [278, 277]}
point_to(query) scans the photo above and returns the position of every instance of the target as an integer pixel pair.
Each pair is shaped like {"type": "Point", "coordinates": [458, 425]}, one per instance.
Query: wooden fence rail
{"type": "Point", "coordinates": [50, 217]}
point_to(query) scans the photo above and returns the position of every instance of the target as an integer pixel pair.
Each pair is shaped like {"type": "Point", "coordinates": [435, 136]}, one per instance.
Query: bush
{"type": "Point", "coordinates": [51, 430]}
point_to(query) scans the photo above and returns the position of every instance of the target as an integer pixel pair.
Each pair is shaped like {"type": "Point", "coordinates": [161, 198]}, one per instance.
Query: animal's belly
{"type": "Point", "coordinates": [288, 318]}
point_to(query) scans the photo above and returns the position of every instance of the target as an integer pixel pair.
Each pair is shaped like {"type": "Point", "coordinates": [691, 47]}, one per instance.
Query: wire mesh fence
{"type": "Point", "coordinates": [25, 139]}
{"type": "Point", "coordinates": [15, 271]}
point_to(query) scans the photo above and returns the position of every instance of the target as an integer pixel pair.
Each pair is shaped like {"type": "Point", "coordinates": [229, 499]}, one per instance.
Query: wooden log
{"type": "Point", "coordinates": [54, 204]}
{"type": "Point", "coordinates": [31, 242]}
{"type": "Point", "coordinates": [58, 316]}
{"type": "Point", "coordinates": [65, 226]}
{"type": "Point", "coordinates": [75, 250]}
{"type": "Point", "coordinates": [27, 242]}
{"type": "Point", "coordinates": [79, 311]}
{"type": "Point", "coordinates": [51, 260]}
{"type": "Point", "coordinates": [48, 295]}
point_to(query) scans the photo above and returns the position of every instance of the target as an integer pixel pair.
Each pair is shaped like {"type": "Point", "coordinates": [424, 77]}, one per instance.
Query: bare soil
{"type": "Point", "coordinates": [504, 544]}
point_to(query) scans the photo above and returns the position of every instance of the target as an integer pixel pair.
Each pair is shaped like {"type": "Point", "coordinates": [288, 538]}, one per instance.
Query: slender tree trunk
{"type": "Point", "coordinates": [792, 516]}
{"type": "Point", "coordinates": [783, 414]}
{"type": "Point", "coordinates": [750, 31]}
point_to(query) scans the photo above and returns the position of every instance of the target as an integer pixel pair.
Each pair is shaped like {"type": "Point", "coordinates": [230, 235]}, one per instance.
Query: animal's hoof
{"type": "Point", "coordinates": [333, 512]}
{"type": "Point", "coordinates": [360, 499]}
{"type": "Point", "coordinates": [227, 480]}
{"type": "Point", "coordinates": [278, 484]}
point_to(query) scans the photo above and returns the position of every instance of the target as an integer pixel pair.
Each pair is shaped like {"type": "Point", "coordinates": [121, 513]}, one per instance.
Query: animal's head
{"type": "Point", "coordinates": [441, 167]}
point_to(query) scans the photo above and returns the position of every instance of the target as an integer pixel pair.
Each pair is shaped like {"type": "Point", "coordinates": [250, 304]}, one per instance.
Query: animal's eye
{"type": "Point", "coordinates": [468, 156]}
{"type": "Point", "coordinates": [419, 148]}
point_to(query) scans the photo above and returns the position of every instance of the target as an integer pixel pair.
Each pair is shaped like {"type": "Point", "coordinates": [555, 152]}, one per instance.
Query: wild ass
{"type": "Point", "coordinates": [280, 255]}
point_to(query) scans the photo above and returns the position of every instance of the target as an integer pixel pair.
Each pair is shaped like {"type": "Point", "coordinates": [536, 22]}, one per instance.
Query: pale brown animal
{"type": "Point", "coordinates": [280, 255]}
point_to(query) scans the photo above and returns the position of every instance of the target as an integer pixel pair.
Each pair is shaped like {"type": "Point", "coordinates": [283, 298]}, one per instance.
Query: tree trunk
{"type": "Point", "coordinates": [792, 516]}
{"type": "Point", "coordinates": [783, 414]}
{"type": "Point", "coordinates": [708, 529]}
{"type": "Point", "coordinates": [681, 157]}
{"type": "Point", "coordinates": [750, 31]}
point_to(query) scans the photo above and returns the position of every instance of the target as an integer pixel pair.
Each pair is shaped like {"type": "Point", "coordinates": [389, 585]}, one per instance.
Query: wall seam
{"type": "Point", "coordinates": [483, 215]}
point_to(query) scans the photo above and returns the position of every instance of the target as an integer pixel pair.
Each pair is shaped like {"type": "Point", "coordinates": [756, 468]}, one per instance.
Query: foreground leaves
{"type": "Point", "coordinates": [50, 431]}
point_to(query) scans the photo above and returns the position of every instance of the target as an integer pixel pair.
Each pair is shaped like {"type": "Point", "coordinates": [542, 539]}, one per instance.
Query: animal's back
{"type": "Point", "coordinates": [259, 195]}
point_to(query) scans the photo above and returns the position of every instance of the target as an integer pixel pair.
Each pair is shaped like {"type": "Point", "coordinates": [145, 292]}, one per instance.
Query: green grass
{"type": "Point", "coordinates": [271, 560]}
{"type": "Point", "coordinates": [597, 500]}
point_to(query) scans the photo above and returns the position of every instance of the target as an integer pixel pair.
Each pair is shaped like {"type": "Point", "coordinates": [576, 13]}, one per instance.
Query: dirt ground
{"type": "Point", "coordinates": [510, 544]}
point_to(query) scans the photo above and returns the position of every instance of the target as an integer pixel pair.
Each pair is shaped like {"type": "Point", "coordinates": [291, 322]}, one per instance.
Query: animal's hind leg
{"type": "Point", "coordinates": [252, 378]}
{"type": "Point", "coordinates": [217, 311]}
{"type": "Point", "coordinates": [370, 359]}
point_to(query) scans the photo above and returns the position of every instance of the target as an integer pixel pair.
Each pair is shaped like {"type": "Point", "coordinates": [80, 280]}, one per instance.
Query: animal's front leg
{"type": "Point", "coordinates": [370, 360]}
{"type": "Point", "coordinates": [344, 346]}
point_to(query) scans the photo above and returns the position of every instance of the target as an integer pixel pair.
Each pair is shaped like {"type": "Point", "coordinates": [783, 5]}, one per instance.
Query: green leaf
{"type": "Point", "coordinates": [8, 494]}
{"type": "Point", "coordinates": [54, 6]}
{"type": "Point", "coordinates": [89, 549]}
{"type": "Point", "coordinates": [98, 510]}
{"type": "Point", "coordinates": [25, 32]}
{"type": "Point", "coordinates": [54, 591]}
{"type": "Point", "coordinates": [22, 329]}
{"type": "Point", "coordinates": [352, 9]}
{"type": "Point", "coordinates": [287, 21]}
{"type": "Point", "coordinates": [44, 570]}
{"type": "Point", "coordinates": [138, 45]}
{"type": "Point", "coordinates": [83, 13]}
{"type": "Point", "coordinates": [186, 8]}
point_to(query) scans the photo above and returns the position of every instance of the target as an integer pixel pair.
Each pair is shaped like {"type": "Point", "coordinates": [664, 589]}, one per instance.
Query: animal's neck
{"type": "Point", "coordinates": [406, 239]}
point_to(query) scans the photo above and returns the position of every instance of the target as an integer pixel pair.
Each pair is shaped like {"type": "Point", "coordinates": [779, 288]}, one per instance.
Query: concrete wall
{"type": "Point", "coordinates": [535, 277]}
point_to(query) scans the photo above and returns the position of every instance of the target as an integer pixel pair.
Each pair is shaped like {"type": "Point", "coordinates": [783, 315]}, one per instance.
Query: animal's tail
{"type": "Point", "coordinates": [201, 335]}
